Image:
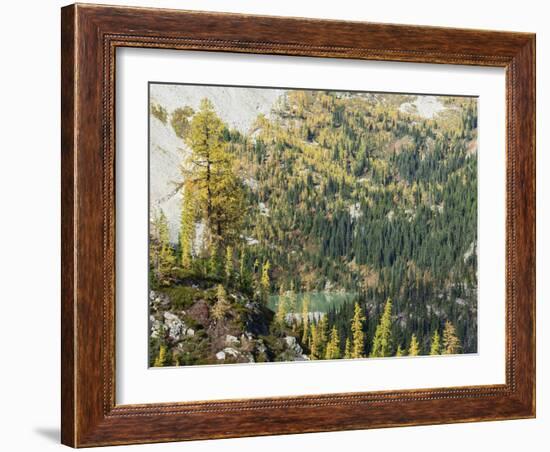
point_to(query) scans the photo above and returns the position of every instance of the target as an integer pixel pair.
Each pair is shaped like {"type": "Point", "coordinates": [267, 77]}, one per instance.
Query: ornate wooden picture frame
{"type": "Point", "coordinates": [90, 37]}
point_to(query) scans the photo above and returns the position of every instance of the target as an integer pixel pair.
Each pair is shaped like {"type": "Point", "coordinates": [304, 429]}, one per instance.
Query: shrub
{"type": "Point", "coordinates": [159, 112]}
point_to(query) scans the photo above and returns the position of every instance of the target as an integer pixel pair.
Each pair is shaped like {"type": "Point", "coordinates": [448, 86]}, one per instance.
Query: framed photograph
{"type": "Point", "coordinates": [280, 225]}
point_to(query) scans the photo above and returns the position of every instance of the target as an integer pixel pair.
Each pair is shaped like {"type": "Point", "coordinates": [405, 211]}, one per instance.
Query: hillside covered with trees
{"type": "Point", "coordinates": [341, 225]}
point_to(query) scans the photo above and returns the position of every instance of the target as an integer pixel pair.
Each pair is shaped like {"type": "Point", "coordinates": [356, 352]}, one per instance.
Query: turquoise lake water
{"type": "Point", "coordinates": [319, 301]}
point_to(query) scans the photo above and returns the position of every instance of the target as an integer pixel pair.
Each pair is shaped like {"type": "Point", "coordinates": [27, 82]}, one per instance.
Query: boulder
{"type": "Point", "coordinates": [220, 355]}
{"type": "Point", "coordinates": [231, 340]}
{"type": "Point", "coordinates": [157, 299]}
{"type": "Point", "coordinates": [199, 312]}
{"type": "Point", "coordinates": [292, 344]}
{"type": "Point", "coordinates": [257, 319]}
{"type": "Point", "coordinates": [156, 327]}
{"type": "Point", "coordinates": [175, 327]}
{"type": "Point", "coordinates": [231, 351]}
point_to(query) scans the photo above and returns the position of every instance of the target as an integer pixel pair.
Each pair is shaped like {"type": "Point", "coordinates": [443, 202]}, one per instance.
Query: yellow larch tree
{"type": "Point", "coordinates": [358, 343]}
{"type": "Point", "coordinates": [451, 343]}
{"type": "Point", "coordinates": [414, 348]}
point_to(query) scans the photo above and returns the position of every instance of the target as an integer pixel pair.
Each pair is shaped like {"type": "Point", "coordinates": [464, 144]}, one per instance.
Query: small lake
{"type": "Point", "coordinates": [318, 301]}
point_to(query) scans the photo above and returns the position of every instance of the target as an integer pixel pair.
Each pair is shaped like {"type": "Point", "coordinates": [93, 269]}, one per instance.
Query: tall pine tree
{"type": "Point", "coordinates": [381, 345]}
{"type": "Point", "coordinates": [265, 285]}
{"type": "Point", "coordinates": [319, 339]}
{"type": "Point", "coordinates": [451, 343]}
{"type": "Point", "coordinates": [305, 319]}
{"type": "Point", "coordinates": [209, 167]}
{"type": "Point", "coordinates": [347, 350]}
{"type": "Point", "coordinates": [414, 348]}
{"type": "Point", "coordinates": [333, 347]}
{"type": "Point", "coordinates": [163, 254]}
{"type": "Point", "coordinates": [435, 348]}
{"type": "Point", "coordinates": [222, 306]}
{"type": "Point", "coordinates": [358, 345]}
{"type": "Point", "coordinates": [228, 267]}
{"type": "Point", "coordinates": [187, 226]}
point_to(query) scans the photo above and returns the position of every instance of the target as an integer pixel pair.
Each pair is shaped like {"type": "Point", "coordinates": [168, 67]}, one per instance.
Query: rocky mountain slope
{"type": "Point", "coordinates": [182, 320]}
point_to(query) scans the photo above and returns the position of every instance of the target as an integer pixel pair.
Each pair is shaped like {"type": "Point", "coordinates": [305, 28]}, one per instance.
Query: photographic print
{"type": "Point", "coordinates": [299, 225]}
